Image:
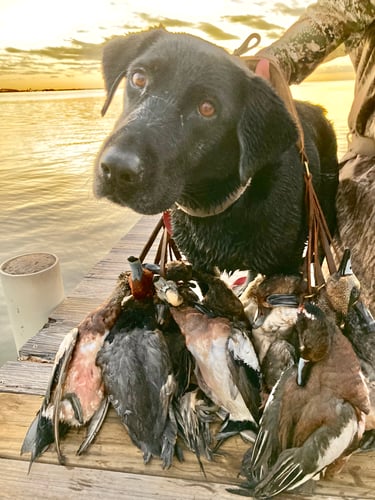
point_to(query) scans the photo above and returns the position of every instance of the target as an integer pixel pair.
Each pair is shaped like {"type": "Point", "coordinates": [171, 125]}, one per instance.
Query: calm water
{"type": "Point", "coordinates": [48, 143]}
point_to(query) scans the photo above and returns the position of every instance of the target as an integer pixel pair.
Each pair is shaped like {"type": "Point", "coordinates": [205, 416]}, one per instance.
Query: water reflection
{"type": "Point", "coordinates": [336, 98]}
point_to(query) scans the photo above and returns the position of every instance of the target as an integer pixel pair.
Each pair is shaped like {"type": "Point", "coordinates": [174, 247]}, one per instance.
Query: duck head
{"type": "Point", "coordinates": [275, 293]}
{"type": "Point", "coordinates": [314, 334]}
{"type": "Point", "coordinates": [340, 284]}
{"type": "Point", "coordinates": [140, 279]}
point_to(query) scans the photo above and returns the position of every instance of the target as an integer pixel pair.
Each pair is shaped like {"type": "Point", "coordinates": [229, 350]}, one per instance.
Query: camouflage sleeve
{"type": "Point", "coordinates": [322, 28]}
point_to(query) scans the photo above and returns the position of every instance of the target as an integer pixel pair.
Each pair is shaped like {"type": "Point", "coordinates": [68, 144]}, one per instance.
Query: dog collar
{"type": "Point", "coordinates": [228, 202]}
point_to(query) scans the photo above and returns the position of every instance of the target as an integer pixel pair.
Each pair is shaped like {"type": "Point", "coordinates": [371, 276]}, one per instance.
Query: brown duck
{"type": "Point", "coordinates": [315, 415]}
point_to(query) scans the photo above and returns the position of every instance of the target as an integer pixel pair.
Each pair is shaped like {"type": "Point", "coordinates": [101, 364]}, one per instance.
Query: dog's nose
{"type": "Point", "coordinates": [120, 165]}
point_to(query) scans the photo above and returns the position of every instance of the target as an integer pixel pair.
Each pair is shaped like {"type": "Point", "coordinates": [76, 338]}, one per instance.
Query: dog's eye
{"type": "Point", "coordinates": [139, 79]}
{"type": "Point", "coordinates": [206, 109]}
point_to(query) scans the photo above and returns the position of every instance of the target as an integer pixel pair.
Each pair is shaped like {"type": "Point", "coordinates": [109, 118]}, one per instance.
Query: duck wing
{"type": "Point", "coordinates": [67, 347]}
{"type": "Point", "coordinates": [244, 367]}
{"type": "Point", "coordinates": [42, 431]}
{"type": "Point", "coordinates": [280, 356]}
{"type": "Point", "coordinates": [137, 375]}
{"type": "Point", "coordinates": [94, 426]}
{"type": "Point", "coordinates": [295, 466]}
{"type": "Point", "coordinates": [267, 444]}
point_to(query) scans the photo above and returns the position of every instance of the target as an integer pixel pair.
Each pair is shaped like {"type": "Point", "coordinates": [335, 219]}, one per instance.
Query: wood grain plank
{"type": "Point", "coordinates": [25, 377]}
{"type": "Point", "coordinates": [113, 451]}
{"type": "Point", "coordinates": [101, 279]}
{"type": "Point", "coordinates": [94, 288]}
{"type": "Point", "coordinates": [74, 309]}
{"type": "Point", "coordinates": [44, 345]}
{"type": "Point", "coordinates": [51, 481]}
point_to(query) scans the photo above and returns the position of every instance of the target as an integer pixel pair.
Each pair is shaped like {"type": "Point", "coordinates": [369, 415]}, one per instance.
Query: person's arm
{"type": "Point", "coordinates": [320, 30]}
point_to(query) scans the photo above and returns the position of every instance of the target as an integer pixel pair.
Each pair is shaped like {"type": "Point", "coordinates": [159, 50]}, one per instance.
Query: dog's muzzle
{"type": "Point", "coordinates": [117, 164]}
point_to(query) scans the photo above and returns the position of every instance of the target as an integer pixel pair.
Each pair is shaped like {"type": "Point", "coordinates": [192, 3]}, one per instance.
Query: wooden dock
{"type": "Point", "coordinates": [113, 468]}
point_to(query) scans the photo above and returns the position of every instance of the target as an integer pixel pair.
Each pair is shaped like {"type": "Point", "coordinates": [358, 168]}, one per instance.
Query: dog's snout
{"type": "Point", "coordinates": [117, 164]}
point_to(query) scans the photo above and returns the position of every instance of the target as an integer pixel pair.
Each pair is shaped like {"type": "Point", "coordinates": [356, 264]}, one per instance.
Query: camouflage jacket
{"type": "Point", "coordinates": [318, 32]}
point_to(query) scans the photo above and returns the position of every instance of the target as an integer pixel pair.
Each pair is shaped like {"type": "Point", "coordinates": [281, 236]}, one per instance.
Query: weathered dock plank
{"type": "Point", "coordinates": [113, 451]}
{"type": "Point", "coordinates": [100, 280]}
{"type": "Point", "coordinates": [51, 481]}
{"type": "Point", "coordinates": [112, 448]}
{"type": "Point", "coordinates": [95, 288]}
{"type": "Point", "coordinates": [25, 378]}
{"type": "Point", "coordinates": [44, 345]}
{"type": "Point", "coordinates": [73, 309]}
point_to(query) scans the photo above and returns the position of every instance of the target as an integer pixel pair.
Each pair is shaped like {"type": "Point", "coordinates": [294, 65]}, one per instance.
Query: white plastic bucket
{"type": "Point", "coordinates": [33, 287]}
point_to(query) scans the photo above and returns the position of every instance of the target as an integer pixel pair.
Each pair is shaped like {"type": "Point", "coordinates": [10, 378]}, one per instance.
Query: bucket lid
{"type": "Point", "coordinates": [28, 263]}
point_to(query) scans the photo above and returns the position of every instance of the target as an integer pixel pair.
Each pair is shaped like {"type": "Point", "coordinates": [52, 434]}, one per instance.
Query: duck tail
{"type": "Point", "coordinates": [38, 437]}
{"type": "Point", "coordinates": [246, 428]}
{"type": "Point", "coordinates": [169, 440]}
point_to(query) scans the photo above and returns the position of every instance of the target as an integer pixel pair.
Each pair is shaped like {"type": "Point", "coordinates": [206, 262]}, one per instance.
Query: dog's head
{"type": "Point", "coordinates": [195, 125]}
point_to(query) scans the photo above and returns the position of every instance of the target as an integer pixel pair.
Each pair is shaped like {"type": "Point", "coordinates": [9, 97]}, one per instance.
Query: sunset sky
{"type": "Point", "coordinates": [57, 44]}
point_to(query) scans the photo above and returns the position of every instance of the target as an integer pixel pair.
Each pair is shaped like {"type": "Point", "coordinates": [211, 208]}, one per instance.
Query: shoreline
{"type": "Point", "coordinates": [9, 91]}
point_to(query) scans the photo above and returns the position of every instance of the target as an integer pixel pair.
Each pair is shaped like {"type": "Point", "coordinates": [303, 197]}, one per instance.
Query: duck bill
{"type": "Point", "coordinates": [303, 370]}
{"type": "Point", "coordinates": [366, 316]}
{"type": "Point", "coordinates": [345, 268]}
{"type": "Point", "coordinates": [167, 290]}
{"type": "Point", "coordinates": [136, 268]}
{"type": "Point", "coordinates": [259, 319]}
{"type": "Point", "coordinates": [283, 300]}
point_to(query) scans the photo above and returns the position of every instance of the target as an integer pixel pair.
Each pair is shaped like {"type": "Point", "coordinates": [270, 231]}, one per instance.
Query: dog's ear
{"type": "Point", "coordinates": [118, 53]}
{"type": "Point", "coordinates": [266, 129]}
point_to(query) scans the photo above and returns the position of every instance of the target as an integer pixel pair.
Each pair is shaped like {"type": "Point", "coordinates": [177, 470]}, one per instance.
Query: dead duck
{"type": "Point", "coordinates": [137, 369]}
{"type": "Point", "coordinates": [139, 308]}
{"type": "Point", "coordinates": [356, 320]}
{"type": "Point", "coordinates": [338, 288]}
{"type": "Point", "coordinates": [226, 365]}
{"type": "Point", "coordinates": [137, 372]}
{"type": "Point", "coordinates": [343, 295]}
{"type": "Point", "coordinates": [271, 305]}
{"type": "Point", "coordinates": [315, 415]}
{"type": "Point", "coordinates": [179, 271]}
{"type": "Point", "coordinates": [359, 328]}
{"type": "Point", "coordinates": [75, 394]}
{"type": "Point", "coordinates": [219, 298]}
{"type": "Point", "coordinates": [193, 410]}
{"type": "Point", "coordinates": [358, 325]}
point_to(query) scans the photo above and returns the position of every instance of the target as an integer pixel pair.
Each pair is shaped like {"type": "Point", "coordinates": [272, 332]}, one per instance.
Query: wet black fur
{"type": "Point", "coordinates": [163, 151]}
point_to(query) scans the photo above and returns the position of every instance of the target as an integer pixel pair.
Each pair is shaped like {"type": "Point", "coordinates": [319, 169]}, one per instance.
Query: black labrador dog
{"type": "Point", "coordinates": [203, 135]}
